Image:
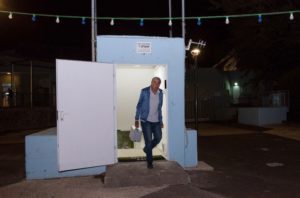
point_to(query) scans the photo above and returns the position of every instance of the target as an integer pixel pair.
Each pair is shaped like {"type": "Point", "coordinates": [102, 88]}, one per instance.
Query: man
{"type": "Point", "coordinates": [148, 111]}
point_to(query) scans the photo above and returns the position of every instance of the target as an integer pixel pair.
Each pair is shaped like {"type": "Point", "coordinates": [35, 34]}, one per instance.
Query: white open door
{"type": "Point", "coordinates": [86, 115]}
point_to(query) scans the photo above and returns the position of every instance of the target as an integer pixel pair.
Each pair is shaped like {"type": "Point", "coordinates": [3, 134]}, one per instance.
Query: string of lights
{"type": "Point", "coordinates": [58, 18]}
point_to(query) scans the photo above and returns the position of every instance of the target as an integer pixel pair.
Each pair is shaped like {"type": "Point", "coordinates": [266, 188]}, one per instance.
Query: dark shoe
{"type": "Point", "coordinates": [149, 165]}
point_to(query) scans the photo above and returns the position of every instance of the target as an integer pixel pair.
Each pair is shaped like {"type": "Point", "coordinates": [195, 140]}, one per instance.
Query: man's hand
{"type": "Point", "coordinates": [137, 124]}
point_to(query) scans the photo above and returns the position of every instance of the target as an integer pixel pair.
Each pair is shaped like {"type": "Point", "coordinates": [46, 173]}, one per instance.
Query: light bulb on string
{"type": "Point", "coordinates": [10, 16]}
{"type": "Point", "coordinates": [33, 18]}
{"type": "Point", "coordinates": [199, 21]}
{"type": "Point", "coordinates": [260, 18]}
{"type": "Point", "coordinates": [291, 16]}
{"type": "Point", "coordinates": [83, 22]}
{"type": "Point", "coordinates": [227, 21]}
{"type": "Point", "coordinates": [142, 22]}
{"type": "Point", "coordinates": [112, 22]}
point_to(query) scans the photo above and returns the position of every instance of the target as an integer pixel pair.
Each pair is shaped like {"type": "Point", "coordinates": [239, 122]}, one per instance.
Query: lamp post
{"type": "Point", "coordinates": [94, 29]}
{"type": "Point", "coordinates": [183, 19]}
{"type": "Point", "coordinates": [195, 53]}
{"type": "Point", "coordinates": [170, 16]}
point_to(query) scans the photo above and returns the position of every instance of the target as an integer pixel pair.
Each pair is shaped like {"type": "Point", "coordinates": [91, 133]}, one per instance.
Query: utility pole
{"type": "Point", "coordinates": [183, 19]}
{"type": "Point", "coordinates": [94, 30]}
{"type": "Point", "coordinates": [196, 91]}
{"type": "Point", "coordinates": [170, 16]}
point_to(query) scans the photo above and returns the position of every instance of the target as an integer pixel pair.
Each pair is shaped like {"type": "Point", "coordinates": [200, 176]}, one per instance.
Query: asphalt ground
{"type": "Point", "coordinates": [250, 165]}
{"type": "Point", "coordinates": [254, 163]}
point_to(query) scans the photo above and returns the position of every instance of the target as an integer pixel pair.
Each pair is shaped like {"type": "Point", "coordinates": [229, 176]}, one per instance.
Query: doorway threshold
{"type": "Point", "coordinates": [137, 155]}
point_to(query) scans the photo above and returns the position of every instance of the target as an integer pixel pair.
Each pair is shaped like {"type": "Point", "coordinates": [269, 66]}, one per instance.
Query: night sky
{"type": "Point", "coordinates": [44, 39]}
{"type": "Point", "coordinates": [47, 40]}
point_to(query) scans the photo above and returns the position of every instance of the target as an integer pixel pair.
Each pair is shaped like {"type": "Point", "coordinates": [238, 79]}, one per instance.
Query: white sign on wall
{"type": "Point", "coordinates": [143, 47]}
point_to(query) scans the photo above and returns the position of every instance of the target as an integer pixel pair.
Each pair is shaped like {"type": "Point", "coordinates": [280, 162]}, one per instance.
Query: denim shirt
{"type": "Point", "coordinates": [143, 105]}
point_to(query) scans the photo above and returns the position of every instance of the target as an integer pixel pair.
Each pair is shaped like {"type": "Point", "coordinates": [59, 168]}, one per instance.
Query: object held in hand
{"type": "Point", "coordinates": [135, 134]}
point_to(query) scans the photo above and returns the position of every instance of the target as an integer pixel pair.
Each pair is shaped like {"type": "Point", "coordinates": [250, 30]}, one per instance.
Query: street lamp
{"type": "Point", "coordinates": [195, 52]}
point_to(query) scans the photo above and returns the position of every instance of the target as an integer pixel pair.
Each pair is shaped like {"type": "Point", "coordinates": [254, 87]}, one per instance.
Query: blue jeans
{"type": "Point", "coordinates": [150, 128]}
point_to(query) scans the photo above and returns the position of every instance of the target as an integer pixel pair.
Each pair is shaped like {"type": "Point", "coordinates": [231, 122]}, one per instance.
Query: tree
{"type": "Point", "coordinates": [270, 49]}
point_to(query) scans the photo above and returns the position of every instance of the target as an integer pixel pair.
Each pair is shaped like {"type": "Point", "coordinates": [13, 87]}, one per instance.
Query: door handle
{"type": "Point", "coordinates": [61, 115]}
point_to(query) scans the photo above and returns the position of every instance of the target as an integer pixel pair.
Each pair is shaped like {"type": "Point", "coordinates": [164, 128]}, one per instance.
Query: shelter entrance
{"type": "Point", "coordinates": [130, 79]}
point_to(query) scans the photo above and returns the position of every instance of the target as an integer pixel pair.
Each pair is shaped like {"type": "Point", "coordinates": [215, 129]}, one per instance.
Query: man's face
{"type": "Point", "coordinates": [155, 83]}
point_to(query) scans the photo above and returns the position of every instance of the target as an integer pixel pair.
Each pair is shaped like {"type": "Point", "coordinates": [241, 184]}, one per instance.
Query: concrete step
{"type": "Point", "coordinates": [137, 174]}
